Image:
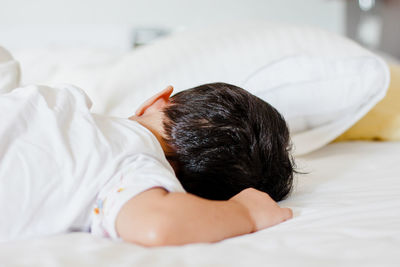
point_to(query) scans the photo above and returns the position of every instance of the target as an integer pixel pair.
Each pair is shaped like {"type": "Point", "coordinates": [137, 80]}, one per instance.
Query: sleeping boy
{"type": "Point", "coordinates": [203, 165]}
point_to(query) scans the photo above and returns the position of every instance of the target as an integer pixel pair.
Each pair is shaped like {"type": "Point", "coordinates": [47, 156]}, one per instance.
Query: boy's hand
{"type": "Point", "coordinates": [263, 210]}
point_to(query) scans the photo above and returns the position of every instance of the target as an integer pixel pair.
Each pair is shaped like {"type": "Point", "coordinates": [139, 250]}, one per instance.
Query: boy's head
{"type": "Point", "coordinates": [221, 139]}
{"type": "Point", "coordinates": [225, 140]}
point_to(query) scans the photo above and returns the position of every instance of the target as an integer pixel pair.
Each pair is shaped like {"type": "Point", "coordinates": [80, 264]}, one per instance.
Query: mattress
{"type": "Point", "coordinates": [346, 213]}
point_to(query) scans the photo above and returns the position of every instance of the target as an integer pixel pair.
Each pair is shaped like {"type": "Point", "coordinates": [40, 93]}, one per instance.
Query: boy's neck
{"type": "Point", "coordinates": [154, 124]}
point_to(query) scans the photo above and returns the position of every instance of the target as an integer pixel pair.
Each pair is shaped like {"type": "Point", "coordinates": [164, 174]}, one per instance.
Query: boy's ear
{"type": "Point", "coordinates": [156, 102]}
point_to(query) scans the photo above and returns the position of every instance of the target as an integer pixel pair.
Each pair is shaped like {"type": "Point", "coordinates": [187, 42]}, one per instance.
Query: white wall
{"type": "Point", "coordinates": [40, 21]}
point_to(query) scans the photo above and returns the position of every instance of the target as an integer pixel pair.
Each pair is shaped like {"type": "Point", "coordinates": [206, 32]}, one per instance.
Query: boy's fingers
{"type": "Point", "coordinates": [287, 213]}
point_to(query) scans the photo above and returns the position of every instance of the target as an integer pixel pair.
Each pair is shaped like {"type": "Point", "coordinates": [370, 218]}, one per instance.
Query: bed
{"type": "Point", "coordinates": [346, 213]}
{"type": "Point", "coordinates": [346, 204]}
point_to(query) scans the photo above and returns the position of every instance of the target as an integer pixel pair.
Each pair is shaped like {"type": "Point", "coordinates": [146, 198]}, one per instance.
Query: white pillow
{"type": "Point", "coordinates": [85, 67]}
{"type": "Point", "coordinates": [322, 83]}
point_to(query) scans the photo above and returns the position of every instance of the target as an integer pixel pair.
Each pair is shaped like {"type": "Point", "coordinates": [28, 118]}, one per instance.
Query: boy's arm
{"type": "Point", "coordinates": [156, 217]}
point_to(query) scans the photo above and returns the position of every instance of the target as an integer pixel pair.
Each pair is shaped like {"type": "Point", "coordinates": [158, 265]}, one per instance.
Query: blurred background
{"type": "Point", "coordinates": [121, 25]}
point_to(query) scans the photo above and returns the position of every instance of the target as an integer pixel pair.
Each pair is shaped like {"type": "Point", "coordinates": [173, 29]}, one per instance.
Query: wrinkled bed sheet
{"type": "Point", "coordinates": [346, 213]}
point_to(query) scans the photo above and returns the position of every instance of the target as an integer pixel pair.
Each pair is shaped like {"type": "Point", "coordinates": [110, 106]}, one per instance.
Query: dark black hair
{"type": "Point", "coordinates": [225, 140]}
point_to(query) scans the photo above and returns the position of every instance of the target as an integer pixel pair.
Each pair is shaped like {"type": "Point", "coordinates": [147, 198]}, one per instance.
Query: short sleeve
{"type": "Point", "coordinates": [140, 173]}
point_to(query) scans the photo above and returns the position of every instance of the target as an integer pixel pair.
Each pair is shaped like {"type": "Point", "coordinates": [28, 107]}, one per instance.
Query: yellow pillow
{"type": "Point", "coordinates": [382, 123]}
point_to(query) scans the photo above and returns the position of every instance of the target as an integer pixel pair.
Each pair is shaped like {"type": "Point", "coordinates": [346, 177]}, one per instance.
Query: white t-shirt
{"type": "Point", "coordinates": [59, 163]}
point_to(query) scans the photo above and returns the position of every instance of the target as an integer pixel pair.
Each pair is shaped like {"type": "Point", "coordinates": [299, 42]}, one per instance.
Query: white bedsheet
{"type": "Point", "coordinates": [347, 213]}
